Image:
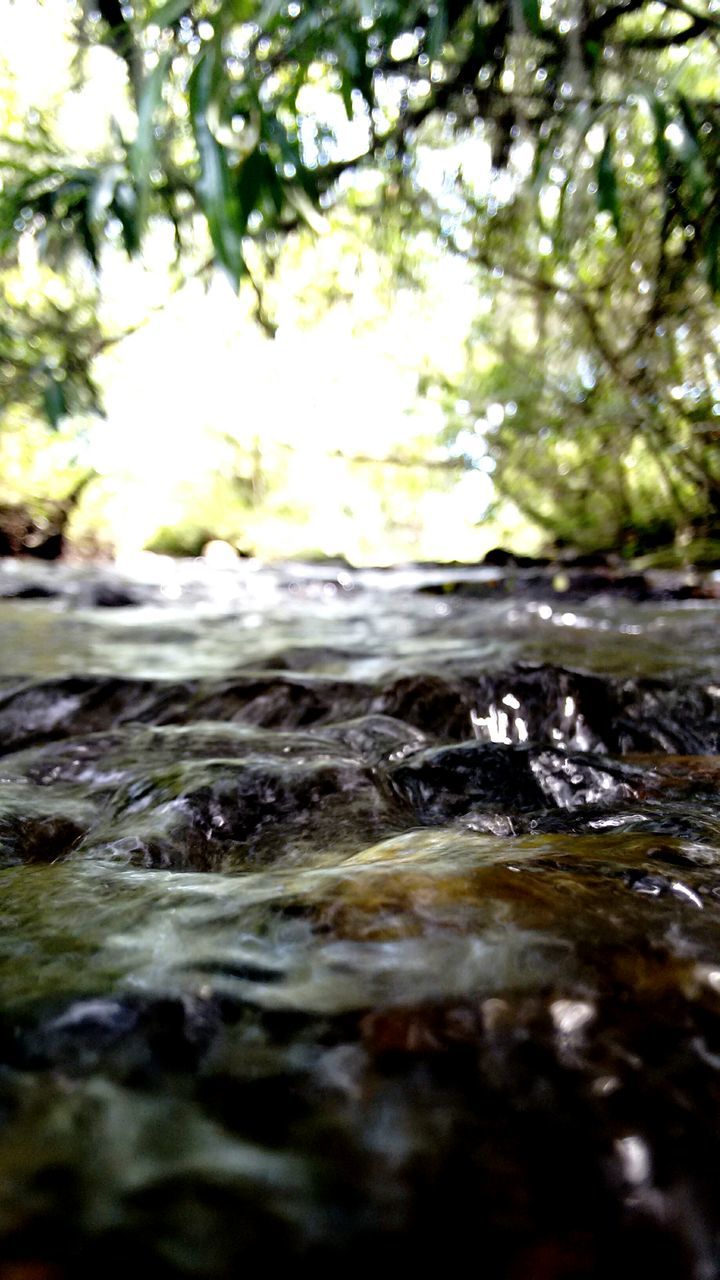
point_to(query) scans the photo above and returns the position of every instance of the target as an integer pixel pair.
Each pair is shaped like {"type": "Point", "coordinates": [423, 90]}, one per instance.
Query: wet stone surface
{"type": "Point", "coordinates": [347, 919]}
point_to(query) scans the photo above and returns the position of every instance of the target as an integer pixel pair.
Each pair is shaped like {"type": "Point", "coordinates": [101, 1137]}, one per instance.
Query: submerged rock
{"type": "Point", "coordinates": [219, 814]}
{"type": "Point", "coordinates": [618, 715]}
{"type": "Point", "coordinates": [38, 839]}
{"type": "Point", "coordinates": [537, 702]}
{"type": "Point", "coordinates": [375, 738]}
{"type": "Point", "coordinates": [440, 977]}
{"type": "Point", "coordinates": [34, 712]}
{"type": "Point", "coordinates": [569, 1116]}
{"type": "Point", "coordinates": [452, 782]}
{"type": "Point", "coordinates": [440, 785]}
{"type": "Point", "coordinates": [279, 701]}
{"type": "Point", "coordinates": [434, 705]}
{"type": "Point", "coordinates": [575, 581]}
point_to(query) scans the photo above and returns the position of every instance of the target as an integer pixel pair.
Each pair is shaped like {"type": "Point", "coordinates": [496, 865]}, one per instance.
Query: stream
{"type": "Point", "coordinates": [358, 917]}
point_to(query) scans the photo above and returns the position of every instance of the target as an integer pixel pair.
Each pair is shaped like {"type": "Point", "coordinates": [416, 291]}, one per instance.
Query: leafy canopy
{"type": "Point", "coordinates": [570, 149]}
{"type": "Point", "coordinates": [253, 113]}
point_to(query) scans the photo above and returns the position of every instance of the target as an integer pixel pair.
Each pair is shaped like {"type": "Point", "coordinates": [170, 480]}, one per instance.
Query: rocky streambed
{"type": "Point", "coordinates": [358, 917]}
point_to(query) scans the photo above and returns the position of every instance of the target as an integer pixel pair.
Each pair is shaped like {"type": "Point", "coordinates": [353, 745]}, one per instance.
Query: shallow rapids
{"type": "Point", "coordinates": [358, 915]}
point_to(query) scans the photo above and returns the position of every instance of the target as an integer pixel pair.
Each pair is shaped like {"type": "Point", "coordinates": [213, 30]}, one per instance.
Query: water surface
{"type": "Point", "coordinates": [357, 915]}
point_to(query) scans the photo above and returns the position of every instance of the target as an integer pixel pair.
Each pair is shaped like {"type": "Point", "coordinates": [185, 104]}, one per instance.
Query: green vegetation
{"type": "Point", "coordinates": [566, 152]}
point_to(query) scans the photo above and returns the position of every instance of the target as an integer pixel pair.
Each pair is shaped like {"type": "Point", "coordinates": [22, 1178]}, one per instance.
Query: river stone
{"type": "Point", "coordinates": [604, 713]}
{"type": "Point", "coordinates": [441, 785]}
{"type": "Point", "coordinates": [26, 591]}
{"type": "Point", "coordinates": [215, 814]}
{"type": "Point", "coordinates": [132, 1037]}
{"type": "Point", "coordinates": [38, 839]}
{"type": "Point", "coordinates": [434, 705]}
{"type": "Point", "coordinates": [279, 701]}
{"type": "Point", "coordinates": [375, 738]}
{"type": "Point", "coordinates": [39, 711]}
{"type": "Point", "coordinates": [542, 703]}
{"type": "Point", "coordinates": [104, 761]}
{"type": "Point", "coordinates": [453, 998]}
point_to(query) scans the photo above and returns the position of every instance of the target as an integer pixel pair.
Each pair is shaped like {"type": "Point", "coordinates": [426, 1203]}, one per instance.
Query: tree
{"type": "Point", "coordinates": [570, 149]}
{"type": "Point", "coordinates": [237, 109]}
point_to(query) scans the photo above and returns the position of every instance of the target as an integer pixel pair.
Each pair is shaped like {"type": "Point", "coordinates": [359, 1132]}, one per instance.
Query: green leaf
{"type": "Point", "coordinates": [54, 401]}
{"type": "Point", "coordinates": [84, 224]}
{"type": "Point", "coordinates": [125, 208]}
{"type": "Point", "coordinates": [142, 152]}
{"type": "Point", "coordinates": [218, 198]}
{"type": "Point", "coordinates": [531, 14]}
{"type": "Point", "coordinates": [483, 42]}
{"type": "Point", "coordinates": [352, 59]}
{"type": "Point", "coordinates": [607, 193]}
{"type": "Point", "coordinates": [593, 50]}
{"type": "Point", "coordinates": [352, 55]}
{"type": "Point", "coordinates": [437, 31]}
{"type": "Point", "coordinates": [660, 116]}
{"type": "Point", "coordinates": [256, 175]}
{"type": "Point", "coordinates": [167, 13]}
{"type": "Point", "coordinates": [346, 88]}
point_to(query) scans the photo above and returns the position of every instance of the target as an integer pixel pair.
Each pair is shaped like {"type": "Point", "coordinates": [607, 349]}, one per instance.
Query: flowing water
{"type": "Point", "coordinates": [357, 916]}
